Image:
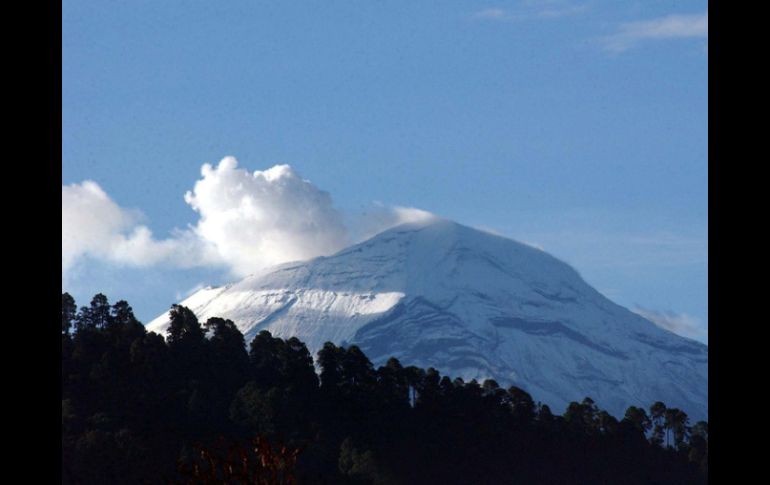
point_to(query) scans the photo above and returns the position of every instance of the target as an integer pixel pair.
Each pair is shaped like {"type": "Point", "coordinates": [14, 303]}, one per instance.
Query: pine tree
{"type": "Point", "coordinates": [184, 326]}
{"type": "Point", "coordinates": [657, 415]}
{"type": "Point", "coordinates": [95, 316]}
{"type": "Point", "coordinates": [68, 313]}
{"type": "Point", "coordinates": [638, 418]}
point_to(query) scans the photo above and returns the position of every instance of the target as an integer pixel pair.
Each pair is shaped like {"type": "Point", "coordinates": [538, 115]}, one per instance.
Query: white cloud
{"type": "Point", "coordinates": [489, 229]}
{"type": "Point", "coordinates": [247, 222]}
{"type": "Point", "coordinates": [257, 219]}
{"type": "Point", "coordinates": [679, 323]}
{"type": "Point", "coordinates": [94, 225]}
{"type": "Point", "coordinates": [669, 27]}
{"type": "Point", "coordinates": [490, 13]}
{"type": "Point", "coordinates": [381, 217]}
{"type": "Point", "coordinates": [534, 245]}
{"type": "Point", "coordinates": [404, 215]}
{"type": "Point", "coordinates": [532, 9]}
{"type": "Point", "coordinates": [181, 295]}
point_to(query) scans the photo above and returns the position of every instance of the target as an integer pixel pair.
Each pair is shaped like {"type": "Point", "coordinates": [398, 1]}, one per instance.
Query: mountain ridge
{"type": "Point", "coordinates": [471, 304]}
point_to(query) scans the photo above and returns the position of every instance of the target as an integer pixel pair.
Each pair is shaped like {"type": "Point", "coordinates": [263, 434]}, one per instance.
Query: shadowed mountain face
{"type": "Point", "coordinates": [473, 305]}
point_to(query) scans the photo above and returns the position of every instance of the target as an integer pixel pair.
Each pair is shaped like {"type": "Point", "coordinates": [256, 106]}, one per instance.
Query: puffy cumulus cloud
{"type": "Point", "coordinates": [257, 219]}
{"type": "Point", "coordinates": [94, 225]}
{"type": "Point", "coordinates": [90, 221]}
{"type": "Point", "coordinates": [247, 222]}
{"type": "Point", "coordinates": [678, 323]}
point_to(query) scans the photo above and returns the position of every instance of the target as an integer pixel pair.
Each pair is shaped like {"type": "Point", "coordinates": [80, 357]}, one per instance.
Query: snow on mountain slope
{"type": "Point", "coordinates": [473, 305]}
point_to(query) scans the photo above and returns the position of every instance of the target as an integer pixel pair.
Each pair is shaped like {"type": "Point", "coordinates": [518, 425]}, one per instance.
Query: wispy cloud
{"type": "Point", "coordinates": [379, 217]}
{"type": "Point", "coordinates": [531, 9]}
{"type": "Point", "coordinates": [609, 249]}
{"type": "Point", "coordinates": [695, 26]}
{"type": "Point", "coordinates": [678, 323]}
{"type": "Point", "coordinates": [181, 295]}
{"type": "Point", "coordinates": [490, 13]}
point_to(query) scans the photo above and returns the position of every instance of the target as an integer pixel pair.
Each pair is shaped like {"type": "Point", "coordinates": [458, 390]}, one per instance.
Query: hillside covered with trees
{"type": "Point", "coordinates": [138, 407]}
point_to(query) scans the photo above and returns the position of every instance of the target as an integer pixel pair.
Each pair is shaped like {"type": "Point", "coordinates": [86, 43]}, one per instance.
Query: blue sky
{"type": "Point", "coordinates": [580, 127]}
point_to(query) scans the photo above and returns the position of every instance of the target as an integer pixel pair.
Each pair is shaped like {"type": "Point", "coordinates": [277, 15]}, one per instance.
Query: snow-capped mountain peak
{"type": "Point", "coordinates": [471, 304]}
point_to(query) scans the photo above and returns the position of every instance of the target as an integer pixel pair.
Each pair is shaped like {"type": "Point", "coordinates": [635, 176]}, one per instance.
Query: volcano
{"type": "Point", "coordinates": [473, 305]}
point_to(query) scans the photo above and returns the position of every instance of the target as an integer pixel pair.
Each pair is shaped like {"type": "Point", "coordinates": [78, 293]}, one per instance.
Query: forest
{"type": "Point", "coordinates": [199, 405]}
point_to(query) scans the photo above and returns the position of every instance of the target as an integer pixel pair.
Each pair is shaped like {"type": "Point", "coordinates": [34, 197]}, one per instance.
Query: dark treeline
{"type": "Point", "coordinates": [135, 405]}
